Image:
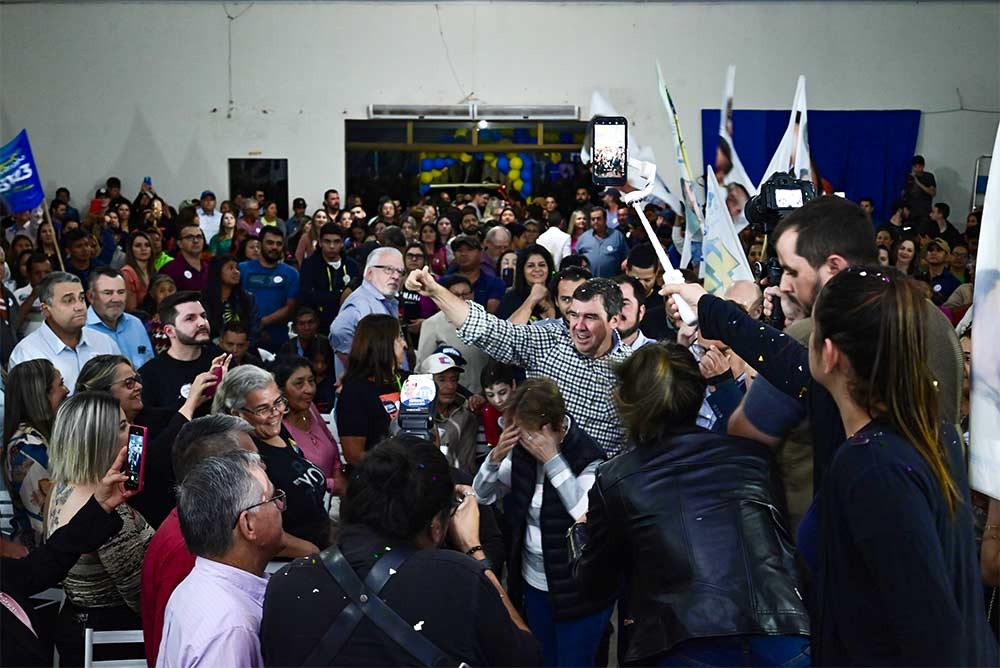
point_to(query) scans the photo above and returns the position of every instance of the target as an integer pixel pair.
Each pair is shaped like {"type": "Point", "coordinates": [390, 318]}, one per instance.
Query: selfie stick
{"type": "Point", "coordinates": [647, 178]}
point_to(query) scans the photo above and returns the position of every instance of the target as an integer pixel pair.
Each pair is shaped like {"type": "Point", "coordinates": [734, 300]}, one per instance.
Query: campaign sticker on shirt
{"type": "Point", "coordinates": [937, 288]}
{"type": "Point", "coordinates": [278, 279]}
{"type": "Point", "coordinates": [611, 249]}
{"type": "Point", "coordinates": [186, 391]}
{"type": "Point", "coordinates": [188, 274]}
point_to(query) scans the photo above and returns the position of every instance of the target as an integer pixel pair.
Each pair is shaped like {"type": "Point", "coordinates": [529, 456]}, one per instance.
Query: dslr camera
{"type": "Point", "coordinates": [779, 196]}
{"type": "Point", "coordinates": [417, 406]}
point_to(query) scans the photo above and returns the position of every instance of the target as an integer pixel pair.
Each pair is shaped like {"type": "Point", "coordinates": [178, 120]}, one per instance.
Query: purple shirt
{"type": "Point", "coordinates": [185, 276]}
{"type": "Point", "coordinates": [213, 618]}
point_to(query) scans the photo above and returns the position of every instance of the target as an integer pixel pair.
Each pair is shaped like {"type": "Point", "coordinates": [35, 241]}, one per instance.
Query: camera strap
{"type": "Point", "coordinates": [365, 602]}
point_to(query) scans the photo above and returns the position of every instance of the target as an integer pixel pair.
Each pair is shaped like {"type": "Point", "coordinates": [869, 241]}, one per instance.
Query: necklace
{"type": "Point", "coordinates": [302, 419]}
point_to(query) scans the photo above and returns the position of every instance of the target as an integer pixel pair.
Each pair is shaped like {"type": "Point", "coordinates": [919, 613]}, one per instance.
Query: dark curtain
{"type": "Point", "coordinates": [861, 153]}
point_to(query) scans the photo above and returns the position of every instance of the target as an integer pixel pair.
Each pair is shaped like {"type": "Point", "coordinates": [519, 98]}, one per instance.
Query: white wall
{"type": "Point", "coordinates": [140, 89]}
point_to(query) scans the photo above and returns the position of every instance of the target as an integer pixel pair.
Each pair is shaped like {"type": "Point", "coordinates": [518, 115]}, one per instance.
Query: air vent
{"type": "Point", "coordinates": [549, 112]}
{"type": "Point", "coordinates": [435, 112]}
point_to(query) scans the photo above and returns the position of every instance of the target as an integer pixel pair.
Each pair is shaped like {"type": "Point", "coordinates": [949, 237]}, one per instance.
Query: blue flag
{"type": "Point", "coordinates": [19, 182]}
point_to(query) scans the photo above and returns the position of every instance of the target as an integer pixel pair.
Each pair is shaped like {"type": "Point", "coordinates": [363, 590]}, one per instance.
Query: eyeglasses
{"type": "Point", "coordinates": [414, 256]}
{"type": "Point", "coordinates": [456, 503]}
{"type": "Point", "coordinates": [278, 500]}
{"type": "Point", "coordinates": [465, 294]}
{"type": "Point", "coordinates": [279, 406]}
{"type": "Point", "coordinates": [190, 237]}
{"type": "Point", "coordinates": [129, 382]}
{"type": "Point", "coordinates": [389, 271]}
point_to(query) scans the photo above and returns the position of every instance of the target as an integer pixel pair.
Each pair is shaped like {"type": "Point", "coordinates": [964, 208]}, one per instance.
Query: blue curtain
{"type": "Point", "coordinates": [861, 153]}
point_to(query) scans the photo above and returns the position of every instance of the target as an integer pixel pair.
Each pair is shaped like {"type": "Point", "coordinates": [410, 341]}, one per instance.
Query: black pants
{"type": "Point", "coordinates": [73, 620]}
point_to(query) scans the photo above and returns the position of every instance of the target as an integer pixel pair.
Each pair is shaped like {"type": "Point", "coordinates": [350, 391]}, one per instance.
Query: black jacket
{"type": "Point", "coordinates": [690, 524]}
{"type": "Point", "coordinates": [579, 451]}
{"type": "Point", "coordinates": [45, 567]}
{"type": "Point", "coordinates": [320, 286]}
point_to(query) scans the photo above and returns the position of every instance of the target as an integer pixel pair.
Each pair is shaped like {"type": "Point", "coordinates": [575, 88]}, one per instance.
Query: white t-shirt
{"type": "Point", "coordinates": [209, 223]}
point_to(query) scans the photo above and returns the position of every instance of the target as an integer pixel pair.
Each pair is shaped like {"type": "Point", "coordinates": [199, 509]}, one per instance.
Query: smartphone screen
{"type": "Point", "coordinates": [610, 161]}
{"type": "Point", "coordinates": [136, 451]}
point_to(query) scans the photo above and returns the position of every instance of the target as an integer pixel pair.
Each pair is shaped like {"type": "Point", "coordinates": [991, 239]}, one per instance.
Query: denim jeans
{"type": "Point", "coordinates": [569, 643]}
{"type": "Point", "coordinates": [746, 650]}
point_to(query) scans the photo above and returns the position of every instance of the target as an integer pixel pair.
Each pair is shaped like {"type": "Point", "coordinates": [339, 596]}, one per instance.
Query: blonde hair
{"type": "Point", "coordinates": [84, 440]}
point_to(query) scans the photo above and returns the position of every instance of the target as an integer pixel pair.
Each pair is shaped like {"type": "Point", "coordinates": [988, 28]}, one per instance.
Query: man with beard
{"type": "Point", "coordinates": [331, 202]}
{"type": "Point", "coordinates": [167, 377]}
{"type": "Point", "coordinates": [274, 285]}
{"type": "Point", "coordinates": [633, 311]}
{"type": "Point", "coordinates": [107, 315]}
{"type": "Point", "coordinates": [377, 294]}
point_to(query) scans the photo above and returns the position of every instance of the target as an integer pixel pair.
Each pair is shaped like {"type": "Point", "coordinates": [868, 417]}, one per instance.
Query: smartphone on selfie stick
{"type": "Point", "coordinates": [609, 151]}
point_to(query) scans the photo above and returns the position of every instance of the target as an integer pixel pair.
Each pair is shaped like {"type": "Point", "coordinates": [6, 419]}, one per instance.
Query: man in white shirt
{"type": "Point", "coordinates": [556, 242]}
{"type": "Point", "coordinates": [63, 338]}
{"type": "Point", "coordinates": [208, 218]}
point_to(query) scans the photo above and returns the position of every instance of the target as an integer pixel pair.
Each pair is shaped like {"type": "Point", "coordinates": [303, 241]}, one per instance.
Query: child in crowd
{"type": "Point", "coordinates": [498, 383]}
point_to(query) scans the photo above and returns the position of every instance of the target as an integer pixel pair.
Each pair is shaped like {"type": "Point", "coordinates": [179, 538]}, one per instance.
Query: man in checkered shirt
{"type": "Point", "coordinates": [579, 359]}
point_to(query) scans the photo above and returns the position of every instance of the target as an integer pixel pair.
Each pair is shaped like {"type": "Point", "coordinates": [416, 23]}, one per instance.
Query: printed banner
{"type": "Point", "coordinates": [728, 168]}
{"type": "Point", "coordinates": [984, 405]}
{"type": "Point", "coordinates": [19, 182]}
{"type": "Point", "coordinates": [793, 151]}
{"type": "Point", "coordinates": [693, 221]}
{"type": "Point", "coordinates": [723, 259]}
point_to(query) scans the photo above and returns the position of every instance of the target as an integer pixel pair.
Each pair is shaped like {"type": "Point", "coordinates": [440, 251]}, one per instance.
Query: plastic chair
{"type": "Point", "coordinates": [92, 637]}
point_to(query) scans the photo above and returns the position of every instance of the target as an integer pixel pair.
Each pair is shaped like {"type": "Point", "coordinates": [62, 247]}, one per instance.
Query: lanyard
{"type": "Point", "coordinates": [16, 610]}
{"type": "Point", "coordinates": [329, 274]}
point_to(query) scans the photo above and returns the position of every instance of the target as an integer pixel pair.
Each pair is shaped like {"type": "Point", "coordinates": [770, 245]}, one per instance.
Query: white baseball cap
{"type": "Point", "coordinates": [439, 362]}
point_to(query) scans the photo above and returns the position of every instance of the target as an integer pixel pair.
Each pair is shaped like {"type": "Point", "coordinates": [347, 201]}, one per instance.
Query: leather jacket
{"type": "Point", "coordinates": [688, 526]}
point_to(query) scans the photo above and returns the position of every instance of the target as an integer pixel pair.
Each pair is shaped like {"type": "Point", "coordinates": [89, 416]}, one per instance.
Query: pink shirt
{"type": "Point", "coordinates": [318, 445]}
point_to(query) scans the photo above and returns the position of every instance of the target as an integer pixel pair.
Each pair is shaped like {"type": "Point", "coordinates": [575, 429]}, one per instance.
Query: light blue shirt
{"type": "Point", "coordinates": [44, 344]}
{"type": "Point", "coordinates": [213, 618]}
{"type": "Point", "coordinates": [363, 301]}
{"type": "Point", "coordinates": [131, 337]}
{"type": "Point", "coordinates": [605, 255]}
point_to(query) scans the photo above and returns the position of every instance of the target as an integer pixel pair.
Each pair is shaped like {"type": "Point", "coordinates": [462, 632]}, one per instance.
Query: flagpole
{"type": "Point", "coordinates": [55, 233]}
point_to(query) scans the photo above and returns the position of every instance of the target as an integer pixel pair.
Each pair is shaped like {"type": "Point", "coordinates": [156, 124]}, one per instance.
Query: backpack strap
{"type": "Point", "coordinates": [365, 602]}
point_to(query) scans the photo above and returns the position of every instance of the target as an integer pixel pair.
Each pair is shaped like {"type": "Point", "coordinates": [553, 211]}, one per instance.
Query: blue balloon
{"type": "Point", "coordinates": [526, 188]}
{"type": "Point", "coordinates": [526, 173]}
{"type": "Point", "coordinates": [426, 165]}
{"type": "Point", "coordinates": [527, 160]}
{"type": "Point", "coordinates": [438, 163]}
{"type": "Point", "coordinates": [424, 188]}
{"type": "Point", "coordinates": [503, 164]}
{"type": "Point", "coordinates": [478, 155]}
{"type": "Point", "coordinates": [448, 162]}
{"type": "Point", "coordinates": [565, 137]}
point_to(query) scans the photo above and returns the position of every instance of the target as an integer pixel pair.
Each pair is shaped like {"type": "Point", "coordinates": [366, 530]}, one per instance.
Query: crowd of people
{"type": "Point", "coordinates": [745, 490]}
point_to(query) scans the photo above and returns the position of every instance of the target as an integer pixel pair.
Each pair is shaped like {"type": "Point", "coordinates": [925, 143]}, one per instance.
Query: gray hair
{"type": "Point", "coordinates": [102, 272]}
{"type": "Point", "coordinates": [491, 236]}
{"type": "Point", "coordinates": [99, 373]}
{"type": "Point", "coordinates": [375, 257]}
{"type": "Point", "coordinates": [212, 497]}
{"type": "Point", "coordinates": [206, 437]}
{"type": "Point", "coordinates": [236, 385]}
{"type": "Point", "coordinates": [47, 288]}
{"type": "Point", "coordinates": [84, 440]}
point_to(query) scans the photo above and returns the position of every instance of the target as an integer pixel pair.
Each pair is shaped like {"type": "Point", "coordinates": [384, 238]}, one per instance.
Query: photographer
{"type": "Point", "coordinates": [401, 500]}
{"type": "Point", "coordinates": [814, 243]}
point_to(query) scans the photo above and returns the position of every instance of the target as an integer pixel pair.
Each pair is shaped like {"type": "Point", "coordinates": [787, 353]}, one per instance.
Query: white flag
{"type": "Point", "coordinates": [728, 162]}
{"type": "Point", "coordinates": [600, 106]}
{"type": "Point", "coordinates": [984, 406]}
{"type": "Point", "coordinates": [793, 151]}
{"type": "Point", "coordinates": [723, 259]}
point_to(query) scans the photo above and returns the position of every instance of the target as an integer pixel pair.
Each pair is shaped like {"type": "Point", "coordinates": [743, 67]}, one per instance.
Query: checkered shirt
{"type": "Point", "coordinates": [547, 351]}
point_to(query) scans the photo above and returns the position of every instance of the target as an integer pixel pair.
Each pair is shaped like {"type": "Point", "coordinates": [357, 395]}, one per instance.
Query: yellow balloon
{"type": "Point", "coordinates": [518, 184]}
{"type": "Point", "coordinates": [556, 158]}
{"type": "Point", "coordinates": [436, 173]}
{"type": "Point", "coordinates": [514, 174]}
{"type": "Point", "coordinates": [490, 157]}
{"type": "Point", "coordinates": [423, 154]}
{"type": "Point", "coordinates": [493, 163]}
{"type": "Point", "coordinates": [462, 132]}
{"type": "Point", "coordinates": [425, 177]}
{"type": "Point", "coordinates": [516, 162]}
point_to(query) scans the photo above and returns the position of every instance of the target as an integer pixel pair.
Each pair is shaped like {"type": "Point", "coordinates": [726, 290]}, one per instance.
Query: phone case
{"type": "Point", "coordinates": [130, 464]}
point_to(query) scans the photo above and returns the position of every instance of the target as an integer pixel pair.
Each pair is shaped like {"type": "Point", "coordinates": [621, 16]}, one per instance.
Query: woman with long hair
{"type": "Point", "coordinates": [247, 248]}
{"type": "Point", "coordinates": [222, 242]}
{"type": "Point", "coordinates": [369, 398]}
{"type": "Point", "coordinates": [892, 506]}
{"type": "Point", "coordinates": [34, 393]}
{"type": "Point", "coordinates": [576, 224]}
{"type": "Point", "coordinates": [528, 299]}
{"type": "Point", "coordinates": [138, 270]}
{"type": "Point", "coordinates": [386, 211]}
{"type": "Point", "coordinates": [306, 239]}
{"type": "Point", "coordinates": [102, 589]}
{"type": "Point", "coordinates": [430, 241]}
{"type": "Point", "coordinates": [904, 256]}
{"type": "Point", "coordinates": [46, 238]}
{"type": "Point", "coordinates": [225, 299]}
{"type": "Point", "coordinates": [687, 519]}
